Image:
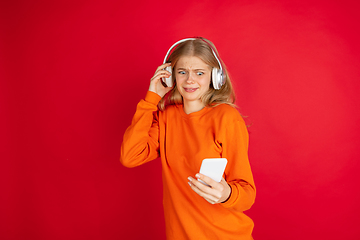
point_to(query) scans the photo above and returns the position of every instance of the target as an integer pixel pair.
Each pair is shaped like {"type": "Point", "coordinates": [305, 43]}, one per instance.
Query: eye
{"type": "Point", "coordinates": [200, 73]}
{"type": "Point", "coordinates": [181, 72]}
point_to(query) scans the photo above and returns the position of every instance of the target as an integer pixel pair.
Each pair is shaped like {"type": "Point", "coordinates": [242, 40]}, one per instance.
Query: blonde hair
{"type": "Point", "coordinates": [203, 49]}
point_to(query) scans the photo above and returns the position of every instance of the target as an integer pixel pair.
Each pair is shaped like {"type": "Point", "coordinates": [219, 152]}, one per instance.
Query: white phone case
{"type": "Point", "coordinates": [213, 168]}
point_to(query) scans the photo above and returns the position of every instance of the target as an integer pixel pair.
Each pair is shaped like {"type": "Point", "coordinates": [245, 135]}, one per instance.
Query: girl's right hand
{"type": "Point", "coordinates": [156, 84]}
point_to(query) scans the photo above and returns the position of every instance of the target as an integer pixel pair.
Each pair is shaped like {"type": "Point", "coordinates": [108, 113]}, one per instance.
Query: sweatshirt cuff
{"type": "Point", "coordinates": [152, 97]}
{"type": "Point", "coordinates": [233, 197]}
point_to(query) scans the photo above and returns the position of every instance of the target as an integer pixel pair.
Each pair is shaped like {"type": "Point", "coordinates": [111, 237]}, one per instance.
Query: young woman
{"type": "Point", "coordinates": [184, 124]}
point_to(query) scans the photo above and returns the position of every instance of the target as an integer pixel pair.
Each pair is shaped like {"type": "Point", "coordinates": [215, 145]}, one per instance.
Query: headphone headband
{"type": "Point", "coordinates": [188, 39]}
{"type": "Point", "coordinates": [217, 75]}
{"type": "Point", "coordinates": [174, 45]}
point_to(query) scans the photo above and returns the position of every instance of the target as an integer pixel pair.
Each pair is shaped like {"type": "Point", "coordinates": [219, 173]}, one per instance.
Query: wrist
{"type": "Point", "coordinates": [229, 191]}
{"type": "Point", "coordinates": [152, 97]}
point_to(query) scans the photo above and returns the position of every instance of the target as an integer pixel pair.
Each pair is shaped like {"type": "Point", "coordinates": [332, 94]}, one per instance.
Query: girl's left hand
{"type": "Point", "coordinates": [215, 193]}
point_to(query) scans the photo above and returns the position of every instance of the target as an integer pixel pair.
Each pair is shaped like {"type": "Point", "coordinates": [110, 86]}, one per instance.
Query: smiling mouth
{"type": "Point", "coordinates": [190, 90]}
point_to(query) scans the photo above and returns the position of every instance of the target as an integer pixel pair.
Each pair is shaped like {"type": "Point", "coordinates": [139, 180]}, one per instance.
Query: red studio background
{"type": "Point", "coordinates": [72, 73]}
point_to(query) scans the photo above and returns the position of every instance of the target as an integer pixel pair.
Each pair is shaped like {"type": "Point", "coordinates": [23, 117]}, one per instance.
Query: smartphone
{"type": "Point", "coordinates": [213, 168]}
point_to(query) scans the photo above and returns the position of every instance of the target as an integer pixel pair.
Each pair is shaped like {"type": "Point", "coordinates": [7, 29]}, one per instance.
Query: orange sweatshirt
{"type": "Point", "coordinates": [183, 141]}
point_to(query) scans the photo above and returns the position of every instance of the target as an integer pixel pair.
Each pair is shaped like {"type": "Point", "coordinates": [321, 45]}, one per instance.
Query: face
{"type": "Point", "coordinates": [192, 78]}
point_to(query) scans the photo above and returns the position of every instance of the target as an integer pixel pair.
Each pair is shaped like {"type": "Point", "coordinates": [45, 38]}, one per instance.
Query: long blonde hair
{"type": "Point", "coordinates": [203, 49]}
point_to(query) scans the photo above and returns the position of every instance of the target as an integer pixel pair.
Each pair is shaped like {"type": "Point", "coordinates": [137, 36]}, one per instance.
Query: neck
{"type": "Point", "coordinates": [193, 106]}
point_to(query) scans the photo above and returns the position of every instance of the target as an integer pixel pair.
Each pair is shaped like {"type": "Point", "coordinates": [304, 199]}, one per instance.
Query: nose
{"type": "Point", "coordinates": [190, 78]}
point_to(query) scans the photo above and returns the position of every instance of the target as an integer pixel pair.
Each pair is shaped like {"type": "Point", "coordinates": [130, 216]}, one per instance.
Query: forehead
{"type": "Point", "coordinates": [191, 62]}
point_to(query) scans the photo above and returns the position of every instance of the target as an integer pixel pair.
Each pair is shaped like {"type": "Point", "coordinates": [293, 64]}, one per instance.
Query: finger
{"type": "Point", "coordinates": [216, 194]}
{"type": "Point", "coordinates": [162, 73]}
{"type": "Point", "coordinates": [162, 66]}
{"type": "Point", "coordinates": [164, 84]}
{"type": "Point", "coordinates": [208, 197]}
{"type": "Point", "coordinates": [210, 201]}
{"type": "Point", "coordinates": [209, 181]}
{"type": "Point", "coordinates": [200, 185]}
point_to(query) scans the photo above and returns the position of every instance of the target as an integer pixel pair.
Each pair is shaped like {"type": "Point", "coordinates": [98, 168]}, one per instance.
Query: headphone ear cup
{"type": "Point", "coordinates": [217, 78]}
{"type": "Point", "coordinates": [168, 81]}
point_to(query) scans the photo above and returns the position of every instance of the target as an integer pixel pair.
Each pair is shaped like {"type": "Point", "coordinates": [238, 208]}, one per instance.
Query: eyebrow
{"type": "Point", "coordinates": [201, 69]}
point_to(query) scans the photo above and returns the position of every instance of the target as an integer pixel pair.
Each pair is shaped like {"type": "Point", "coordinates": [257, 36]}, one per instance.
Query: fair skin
{"type": "Point", "coordinates": [192, 80]}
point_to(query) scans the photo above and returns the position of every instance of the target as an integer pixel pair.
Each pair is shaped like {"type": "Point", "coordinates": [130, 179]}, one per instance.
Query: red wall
{"type": "Point", "coordinates": [71, 76]}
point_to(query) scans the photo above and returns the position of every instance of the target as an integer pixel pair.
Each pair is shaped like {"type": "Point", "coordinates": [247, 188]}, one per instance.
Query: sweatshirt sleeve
{"type": "Point", "coordinates": [141, 139]}
{"type": "Point", "coordinates": [238, 172]}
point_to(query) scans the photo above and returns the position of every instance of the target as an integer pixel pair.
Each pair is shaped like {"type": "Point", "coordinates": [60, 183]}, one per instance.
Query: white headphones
{"type": "Point", "coordinates": [217, 75]}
